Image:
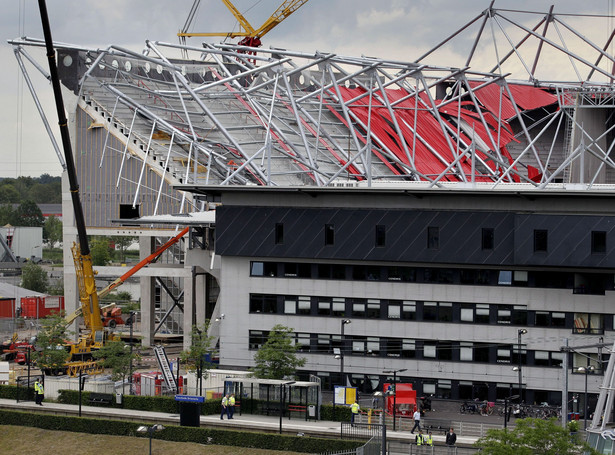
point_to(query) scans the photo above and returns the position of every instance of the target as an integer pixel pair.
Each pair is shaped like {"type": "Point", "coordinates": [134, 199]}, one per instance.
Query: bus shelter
{"type": "Point", "coordinates": [276, 397]}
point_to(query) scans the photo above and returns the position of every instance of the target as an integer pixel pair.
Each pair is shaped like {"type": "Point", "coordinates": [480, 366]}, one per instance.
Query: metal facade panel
{"type": "Point", "coordinates": [249, 231]}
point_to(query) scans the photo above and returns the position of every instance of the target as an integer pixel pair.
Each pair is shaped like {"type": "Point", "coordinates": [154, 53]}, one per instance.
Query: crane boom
{"type": "Point", "coordinates": [251, 35]}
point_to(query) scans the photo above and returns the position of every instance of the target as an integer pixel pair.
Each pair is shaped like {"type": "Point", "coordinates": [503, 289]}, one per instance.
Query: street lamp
{"type": "Point", "coordinates": [519, 333]}
{"type": "Point", "coordinates": [282, 393]}
{"type": "Point", "coordinates": [343, 322]}
{"type": "Point", "coordinates": [585, 370]}
{"type": "Point", "coordinates": [394, 389]}
{"type": "Point", "coordinates": [150, 431]}
{"type": "Point", "coordinates": [506, 414]}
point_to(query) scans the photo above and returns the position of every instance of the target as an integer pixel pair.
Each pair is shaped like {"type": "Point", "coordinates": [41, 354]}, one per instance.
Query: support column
{"type": "Point", "coordinates": [189, 305]}
{"type": "Point", "coordinates": [148, 307]}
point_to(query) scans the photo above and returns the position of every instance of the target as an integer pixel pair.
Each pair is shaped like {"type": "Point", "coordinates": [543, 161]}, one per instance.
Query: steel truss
{"type": "Point", "coordinates": [226, 116]}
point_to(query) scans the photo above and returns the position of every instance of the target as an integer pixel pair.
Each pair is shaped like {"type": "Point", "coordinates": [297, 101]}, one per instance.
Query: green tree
{"type": "Point", "coordinates": [29, 214]}
{"type": "Point", "coordinates": [50, 354]}
{"type": "Point", "coordinates": [34, 278]}
{"type": "Point", "coordinates": [116, 356]}
{"type": "Point", "coordinates": [52, 231]}
{"type": "Point", "coordinates": [277, 358]}
{"type": "Point", "coordinates": [100, 251]}
{"type": "Point", "coordinates": [8, 194]}
{"type": "Point", "coordinates": [7, 215]}
{"type": "Point", "coordinates": [195, 356]}
{"type": "Point", "coordinates": [122, 242]}
{"type": "Point", "coordinates": [533, 437]}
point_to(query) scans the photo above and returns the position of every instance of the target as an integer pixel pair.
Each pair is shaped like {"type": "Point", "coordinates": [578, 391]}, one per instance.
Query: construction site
{"type": "Point", "coordinates": [459, 214]}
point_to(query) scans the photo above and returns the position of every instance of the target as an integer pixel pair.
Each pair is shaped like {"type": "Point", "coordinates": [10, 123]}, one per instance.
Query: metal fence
{"type": "Point", "coordinates": [371, 447]}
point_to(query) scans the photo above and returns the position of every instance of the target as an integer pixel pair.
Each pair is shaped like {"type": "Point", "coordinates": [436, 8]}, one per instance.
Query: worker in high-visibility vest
{"type": "Point", "coordinates": [354, 410]}
{"type": "Point", "coordinates": [224, 407]}
{"type": "Point", "coordinates": [428, 439]}
{"type": "Point", "coordinates": [231, 406]}
{"type": "Point", "coordinates": [39, 392]}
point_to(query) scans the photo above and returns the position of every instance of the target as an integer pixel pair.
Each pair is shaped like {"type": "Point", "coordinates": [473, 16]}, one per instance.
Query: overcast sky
{"type": "Point", "coordinates": [394, 29]}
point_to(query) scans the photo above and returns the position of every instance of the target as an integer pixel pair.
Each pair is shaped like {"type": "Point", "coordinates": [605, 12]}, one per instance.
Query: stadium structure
{"type": "Point", "coordinates": [451, 222]}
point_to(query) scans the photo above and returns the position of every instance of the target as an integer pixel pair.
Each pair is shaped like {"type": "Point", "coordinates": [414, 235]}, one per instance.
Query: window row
{"type": "Point", "coordinates": [413, 310]}
{"type": "Point", "coordinates": [580, 283]}
{"type": "Point", "coordinates": [487, 238]}
{"type": "Point", "coordinates": [440, 350]}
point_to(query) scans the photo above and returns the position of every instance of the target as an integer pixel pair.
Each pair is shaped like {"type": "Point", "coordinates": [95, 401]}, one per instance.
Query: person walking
{"type": "Point", "coordinates": [231, 406]}
{"type": "Point", "coordinates": [417, 420]}
{"type": "Point", "coordinates": [39, 393]}
{"type": "Point", "coordinates": [224, 407]}
{"type": "Point", "coordinates": [354, 411]}
{"type": "Point", "coordinates": [451, 439]}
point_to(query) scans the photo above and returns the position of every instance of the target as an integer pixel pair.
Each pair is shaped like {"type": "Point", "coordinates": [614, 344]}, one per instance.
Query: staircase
{"type": "Point", "coordinates": [163, 363]}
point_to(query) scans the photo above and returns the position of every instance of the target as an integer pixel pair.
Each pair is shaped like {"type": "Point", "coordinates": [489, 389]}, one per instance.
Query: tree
{"type": "Point", "coordinates": [8, 194]}
{"type": "Point", "coordinates": [277, 358]}
{"type": "Point", "coordinates": [122, 242]}
{"type": "Point", "coordinates": [196, 356]}
{"type": "Point", "coordinates": [34, 278]}
{"type": "Point", "coordinates": [52, 231]}
{"type": "Point", "coordinates": [7, 215]}
{"type": "Point", "coordinates": [50, 354]}
{"type": "Point", "coordinates": [100, 251]}
{"type": "Point", "coordinates": [29, 214]}
{"type": "Point", "coordinates": [116, 355]}
{"type": "Point", "coordinates": [533, 437]}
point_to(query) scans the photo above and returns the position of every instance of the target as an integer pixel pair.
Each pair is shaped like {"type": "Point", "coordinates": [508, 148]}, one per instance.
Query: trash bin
{"type": "Point", "coordinates": [119, 398]}
{"type": "Point", "coordinates": [311, 410]}
{"type": "Point", "coordinates": [189, 414]}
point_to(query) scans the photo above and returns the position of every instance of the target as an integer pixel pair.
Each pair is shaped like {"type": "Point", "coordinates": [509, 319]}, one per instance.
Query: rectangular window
{"type": "Point", "coordinates": [304, 305]}
{"type": "Point", "coordinates": [445, 312]}
{"type": "Point", "coordinates": [445, 350]}
{"type": "Point", "coordinates": [373, 346]}
{"type": "Point", "coordinates": [598, 242]}
{"type": "Point", "coordinates": [303, 342]}
{"type": "Point", "coordinates": [409, 310]}
{"type": "Point", "coordinates": [329, 234]}
{"type": "Point", "coordinates": [324, 306]}
{"type": "Point", "coordinates": [433, 237]}
{"type": "Point", "coordinates": [466, 352]}
{"type": "Point", "coordinates": [257, 339]}
{"type": "Point", "coordinates": [290, 305]}
{"type": "Point", "coordinates": [505, 277]}
{"type": "Point", "coordinates": [467, 312]}
{"type": "Point", "coordinates": [542, 319]}
{"type": "Point", "coordinates": [393, 347]}
{"type": "Point", "coordinates": [540, 240]}
{"type": "Point", "coordinates": [430, 311]}
{"type": "Point", "coordinates": [408, 349]}
{"type": "Point", "coordinates": [380, 235]}
{"type": "Point", "coordinates": [429, 350]}
{"type": "Point", "coordinates": [504, 315]}
{"type": "Point", "coordinates": [338, 306]}
{"type": "Point", "coordinates": [394, 310]}
{"type": "Point", "coordinates": [263, 269]}
{"type": "Point", "coordinates": [323, 343]}
{"type": "Point", "coordinates": [487, 238]}
{"type": "Point", "coordinates": [401, 274]}
{"type": "Point", "coordinates": [358, 309]}
{"type": "Point", "coordinates": [503, 355]}
{"type": "Point", "coordinates": [373, 309]}
{"type": "Point", "coordinates": [482, 313]}
{"type": "Point", "coordinates": [297, 270]}
{"type": "Point", "coordinates": [541, 358]}
{"type": "Point", "coordinates": [279, 233]}
{"type": "Point", "coordinates": [519, 315]}
{"type": "Point", "coordinates": [558, 319]}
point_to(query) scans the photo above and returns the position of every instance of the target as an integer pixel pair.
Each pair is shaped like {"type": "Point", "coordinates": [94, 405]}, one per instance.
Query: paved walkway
{"type": "Point", "coordinates": [321, 428]}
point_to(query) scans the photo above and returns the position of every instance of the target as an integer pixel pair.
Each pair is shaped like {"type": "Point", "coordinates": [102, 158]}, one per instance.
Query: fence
{"type": "Point", "coordinates": [371, 447]}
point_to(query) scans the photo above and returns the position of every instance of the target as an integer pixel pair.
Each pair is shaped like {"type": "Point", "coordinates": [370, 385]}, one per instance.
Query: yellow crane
{"type": "Point", "coordinates": [251, 36]}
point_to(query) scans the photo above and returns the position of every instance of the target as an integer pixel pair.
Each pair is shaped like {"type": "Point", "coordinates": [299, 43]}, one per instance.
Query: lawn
{"type": "Point", "coordinates": [16, 440]}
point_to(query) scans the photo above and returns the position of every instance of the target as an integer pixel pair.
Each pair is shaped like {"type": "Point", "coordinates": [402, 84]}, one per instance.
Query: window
{"type": "Point", "coordinates": [297, 270]}
{"type": "Point", "coordinates": [358, 308]}
{"type": "Point", "coordinates": [481, 353]}
{"type": "Point", "coordinates": [401, 274]}
{"type": "Point", "coordinates": [598, 242]}
{"type": "Point", "coordinates": [504, 315]}
{"type": "Point", "coordinates": [505, 277]}
{"type": "Point", "coordinates": [433, 237]}
{"type": "Point", "coordinates": [482, 313]}
{"type": "Point", "coordinates": [373, 346]}
{"type": "Point", "coordinates": [302, 341]}
{"type": "Point", "coordinates": [540, 240]}
{"type": "Point", "coordinates": [290, 305]}
{"type": "Point", "coordinates": [304, 305]}
{"type": "Point", "coordinates": [329, 234]}
{"type": "Point", "coordinates": [466, 352]}
{"type": "Point", "coordinates": [331, 271]}
{"type": "Point", "coordinates": [338, 306]}
{"type": "Point", "coordinates": [429, 350]}
{"type": "Point", "coordinates": [541, 358]}
{"type": "Point", "coordinates": [279, 233]}
{"type": "Point", "coordinates": [487, 238]}
{"type": "Point", "coordinates": [519, 315]}
{"type": "Point", "coordinates": [409, 310]}
{"type": "Point", "coordinates": [588, 323]}
{"type": "Point", "coordinates": [408, 349]}
{"type": "Point", "coordinates": [467, 312]}
{"type": "Point", "coordinates": [445, 350]}
{"type": "Point", "coordinates": [373, 309]}
{"type": "Point", "coordinates": [503, 355]}
{"type": "Point", "coordinates": [430, 311]}
{"type": "Point", "coordinates": [261, 303]}
{"type": "Point", "coordinates": [263, 269]}
{"type": "Point", "coordinates": [380, 235]}
{"type": "Point", "coordinates": [394, 309]}
{"type": "Point", "coordinates": [324, 306]}
{"type": "Point", "coordinates": [257, 339]}
{"type": "Point", "coordinates": [393, 347]}
{"type": "Point", "coordinates": [542, 319]}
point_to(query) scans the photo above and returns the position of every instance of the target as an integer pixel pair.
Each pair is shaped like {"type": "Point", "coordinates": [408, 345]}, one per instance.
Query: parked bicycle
{"type": "Point", "coordinates": [470, 407]}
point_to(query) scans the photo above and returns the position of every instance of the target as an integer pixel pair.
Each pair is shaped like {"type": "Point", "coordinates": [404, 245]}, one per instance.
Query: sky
{"type": "Point", "coordinates": [392, 29]}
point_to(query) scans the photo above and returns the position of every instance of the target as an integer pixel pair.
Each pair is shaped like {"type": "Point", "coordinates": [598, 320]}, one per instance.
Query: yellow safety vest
{"type": "Point", "coordinates": [354, 408]}
{"type": "Point", "coordinates": [231, 401]}
{"type": "Point", "coordinates": [419, 440]}
{"type": "Point", "coordinates": [38, 387]}
{"type": "Point", "coordinates": [428, 440]}
{"type": "Point", "coordinates": [224, 401]}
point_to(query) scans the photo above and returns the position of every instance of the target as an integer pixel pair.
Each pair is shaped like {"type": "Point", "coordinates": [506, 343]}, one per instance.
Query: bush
{"type": "Point", "coordinates": [12, 392]}
{"type": "Point", "coordinates": [175, 433]}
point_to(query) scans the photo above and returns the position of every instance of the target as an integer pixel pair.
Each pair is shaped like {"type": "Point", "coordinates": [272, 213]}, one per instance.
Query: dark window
{"type": "Point", "coordinates": [329, 234]}
{"type": "Point", "coordinates": [262, 303]}
{"type": "Point", "coordinates": [401, 274]}
{"type": "Point", "coordinates": [380, 235]}
{"type": "Point", "coordinates": [540, 240]}
{"type": "Point", "coordinates": [598, 242]}
{"type": "Point", "coordinates": [263, 269]}
{"type": "Point", "coordinates": [297, 269]}
{"type": "Point", "coordinates": [487, 238]}
{"type": "Point", "coordinates": [433, 237]}
{"type": "Point", "coordinates": [257, 339]}
{"type": "Point", "coordinates": [279, 233]}
{"type": "Point", "coordinates": [481, 353]}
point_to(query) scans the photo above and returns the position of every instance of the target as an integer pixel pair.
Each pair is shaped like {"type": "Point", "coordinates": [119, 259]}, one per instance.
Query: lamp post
{"type": "Point", "coordinates": [150, 431]}
{"type": "Point", "coordinates": [394, 389]}
{"type": "Point", "coordinates": [282, 393]}
{"type": "Point", "coordinates": [519, 333]}
{"type": "Point", "coordinates": [585, 370]}
{"type": "Point", "coordinates": [506, 415]}
{"type": "Point", "coordinates": [343, 322]}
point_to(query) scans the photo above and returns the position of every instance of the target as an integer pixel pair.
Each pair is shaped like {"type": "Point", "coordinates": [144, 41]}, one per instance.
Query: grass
{"type": "Point", "coordinates": [16, 440]}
